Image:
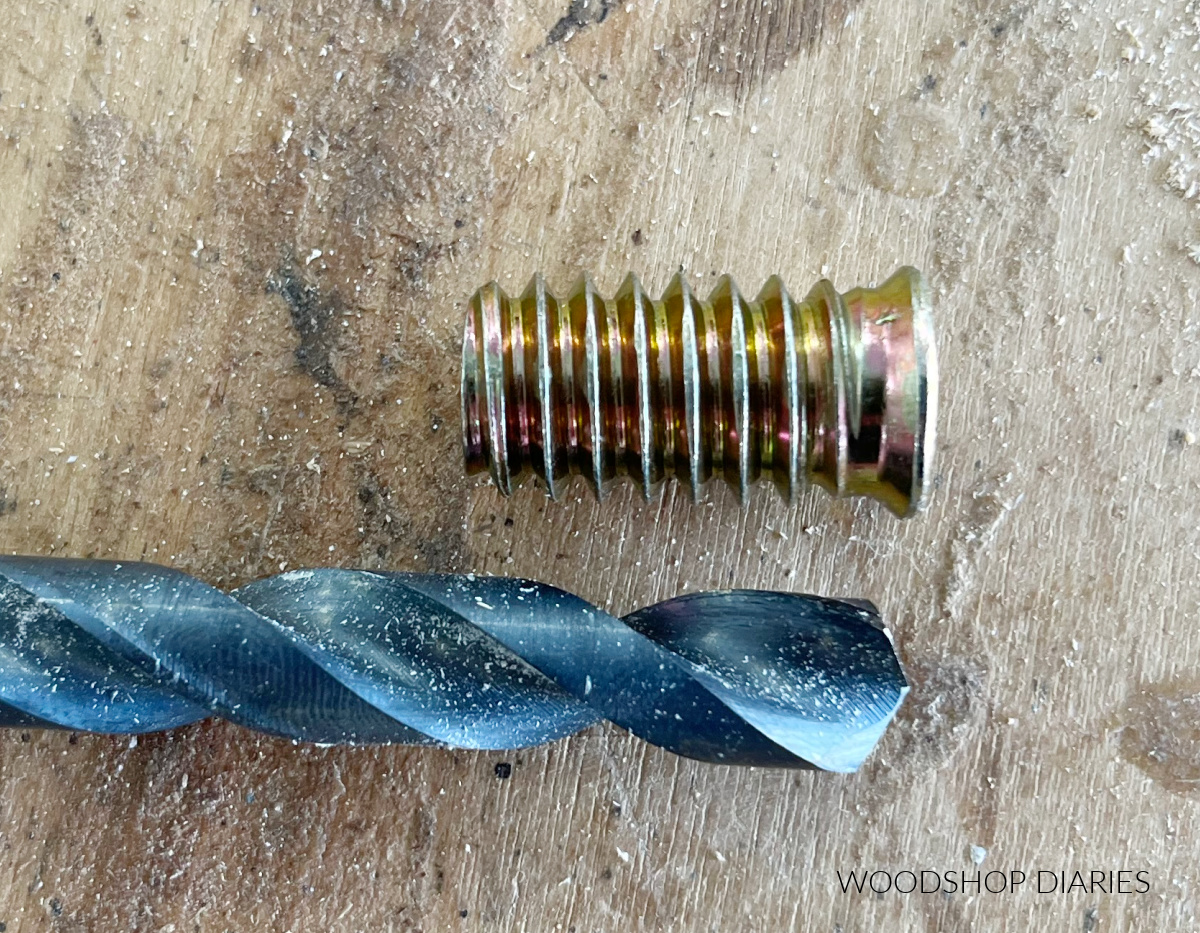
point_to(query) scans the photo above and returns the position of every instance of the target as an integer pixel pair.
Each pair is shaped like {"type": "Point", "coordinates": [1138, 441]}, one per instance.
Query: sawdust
{"type": "Point", "coordinates": [911, 149]}
{"type": "Point", "coordinates": [1169, 97]}
{"type": "Point", "coordinates": [989, 507]}
{"type": "Point", "coordinates": [943, 712]}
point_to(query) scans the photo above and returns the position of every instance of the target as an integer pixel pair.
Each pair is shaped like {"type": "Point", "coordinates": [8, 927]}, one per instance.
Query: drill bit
{"type": "Point", "coordinates": [342, 656]}
{"type": "Point", "coordinates": [837, 390]}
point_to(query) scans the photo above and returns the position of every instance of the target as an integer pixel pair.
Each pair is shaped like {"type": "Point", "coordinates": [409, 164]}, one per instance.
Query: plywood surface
{"type": "Point", "coordinates": [235, 244]}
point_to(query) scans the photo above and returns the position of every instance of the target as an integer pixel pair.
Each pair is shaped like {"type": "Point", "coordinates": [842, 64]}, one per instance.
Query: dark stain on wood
{"type": "Point", "coordinates": [314, 315]}
{"type": "Point", "coordinates": [747, 42]}
{"type": "Point", "coordinates": [1159, 729]}
{"type": "Point", "coordinates": [580, 14]}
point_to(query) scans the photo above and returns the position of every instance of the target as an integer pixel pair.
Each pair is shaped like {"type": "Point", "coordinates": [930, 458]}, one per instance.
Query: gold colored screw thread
{"type": "Point", "coordinates": [838, 390]}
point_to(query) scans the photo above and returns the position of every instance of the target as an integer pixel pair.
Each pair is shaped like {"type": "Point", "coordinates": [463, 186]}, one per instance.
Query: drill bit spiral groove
{"type": "Point", "coordinates": [339, 656]}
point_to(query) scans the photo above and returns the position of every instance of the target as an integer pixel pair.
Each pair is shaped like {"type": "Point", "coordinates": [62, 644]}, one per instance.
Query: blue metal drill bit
{"type": "Point", "coordinates": [340, 656]}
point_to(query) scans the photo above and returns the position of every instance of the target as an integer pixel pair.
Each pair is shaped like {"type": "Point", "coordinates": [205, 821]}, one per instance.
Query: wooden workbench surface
{"type": "Point", "coordinates": [235, 245]}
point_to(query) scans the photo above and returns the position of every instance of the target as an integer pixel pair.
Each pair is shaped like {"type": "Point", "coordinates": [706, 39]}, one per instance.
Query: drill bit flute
{"type": "Point", "coordinates": [339, 656]}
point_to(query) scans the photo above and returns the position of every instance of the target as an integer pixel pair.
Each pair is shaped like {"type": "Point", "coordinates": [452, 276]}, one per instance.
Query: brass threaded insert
{"type": "Point", "coordinates": [837, 390]}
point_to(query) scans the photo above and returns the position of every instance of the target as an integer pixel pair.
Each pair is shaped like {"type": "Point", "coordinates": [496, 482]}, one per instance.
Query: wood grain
{"type": "Point", "coordinates": [236, 243]}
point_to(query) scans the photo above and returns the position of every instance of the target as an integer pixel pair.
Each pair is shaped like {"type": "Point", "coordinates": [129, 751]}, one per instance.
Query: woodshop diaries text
{"type": "Point", "coordinates": [1043, 881]}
